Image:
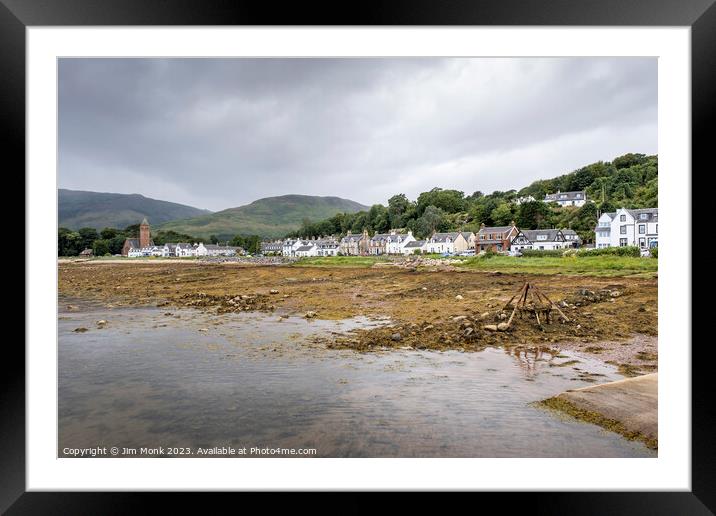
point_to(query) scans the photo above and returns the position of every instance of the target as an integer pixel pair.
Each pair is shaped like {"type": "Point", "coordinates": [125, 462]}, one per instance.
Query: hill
{"type": "Point", "coordinates": [80, 209]}
{"type": "Point", "coordinates": [270, 217]}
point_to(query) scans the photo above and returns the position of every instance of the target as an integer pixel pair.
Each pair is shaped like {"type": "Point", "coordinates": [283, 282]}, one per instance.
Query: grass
{"type": "Point", "coordinates": [341, 261]}
{"type": "Point", "coordinates": [579, 265]}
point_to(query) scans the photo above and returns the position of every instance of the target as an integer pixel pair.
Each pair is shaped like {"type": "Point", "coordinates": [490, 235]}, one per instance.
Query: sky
{"type": "Point", "coordinates": [220, 133]}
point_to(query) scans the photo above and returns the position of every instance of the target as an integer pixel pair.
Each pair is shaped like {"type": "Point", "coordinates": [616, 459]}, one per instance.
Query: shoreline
{"type": "Point", "coordinates": [611, 319]}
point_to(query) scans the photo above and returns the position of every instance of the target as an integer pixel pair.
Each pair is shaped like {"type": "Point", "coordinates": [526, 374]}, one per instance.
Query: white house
{"type": "Point", "coordinates": [628, 227]}
{"type": "Point", "coordinates": [414, 247]}
{"type": "Point", "coordinates": [327, 247]}
{"type": "Point", "coordinates": [135, 252]}
{"type": "Point", "coordinates": [169, 249]}
{"type": "Point", "coordinates": [310, 249]}
{"type": "Point", "coordinates": [183, 250]}
{"type": "Point", "coordinates": [571, 238]}
{"type": "Point", "coordinates": [538, 239]}
{"type": "Point", "coordinates": [272, 248]}
{"type": "Point", "coordinates": [577, 198]}
{"type": "Point", "coordinates": [290, 246]}
{"type": "Point", "coordinates": [396, 241]}
{"type": "Point", "coordinates": [524, 199]}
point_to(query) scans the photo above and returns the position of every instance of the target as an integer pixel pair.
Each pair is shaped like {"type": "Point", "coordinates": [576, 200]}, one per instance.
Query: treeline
{"type": "Point", "coordinates": [628, 181]}
{"type": "Point", "coordinates": [110, 241]}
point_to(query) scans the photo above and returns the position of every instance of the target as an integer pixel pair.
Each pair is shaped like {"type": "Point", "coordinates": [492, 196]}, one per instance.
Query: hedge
{"type": "Point", "coordinates": [542, 252]}
{"type": "Point", "coordinates": [629, 250]}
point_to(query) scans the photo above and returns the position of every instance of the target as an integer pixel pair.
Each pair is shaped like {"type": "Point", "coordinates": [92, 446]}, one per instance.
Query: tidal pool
{"type": "Point", "coordinates": [163, 377]}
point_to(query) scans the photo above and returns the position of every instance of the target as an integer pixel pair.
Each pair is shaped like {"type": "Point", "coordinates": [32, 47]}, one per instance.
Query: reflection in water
{"type": "Point", "coordinates": [158, 377]}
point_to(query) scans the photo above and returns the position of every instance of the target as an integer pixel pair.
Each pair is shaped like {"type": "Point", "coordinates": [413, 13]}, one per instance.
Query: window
{"type": "Point", "coordinates": [644, 216]}
{"type": "Point", "coordinates": [541, 237]}
{"type": "Point", "coordinates": [622, 230]}
{"type": "Point", "coordinates": [622, 218]}
{"type": "Point", "coordinates": [642, 229]}
{"type": "Point", "coordinates": [656, 228]}
{"type": "Point", "coordinates": [623, 242]}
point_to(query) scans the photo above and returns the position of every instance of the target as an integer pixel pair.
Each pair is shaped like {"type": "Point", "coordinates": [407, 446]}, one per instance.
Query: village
{"type": "Point", "coordinates": [624, 227]}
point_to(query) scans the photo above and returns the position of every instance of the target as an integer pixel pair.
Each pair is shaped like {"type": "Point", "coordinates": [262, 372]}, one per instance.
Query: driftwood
{"type": "Point", "coordinates": [531, 301]}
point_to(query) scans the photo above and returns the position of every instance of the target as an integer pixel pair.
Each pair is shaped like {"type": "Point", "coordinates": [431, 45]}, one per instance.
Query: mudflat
{"type": "Point", "coordinates": [613, 318]}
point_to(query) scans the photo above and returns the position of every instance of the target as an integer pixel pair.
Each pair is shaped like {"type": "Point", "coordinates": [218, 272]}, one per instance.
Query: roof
{"type": "Point", "coordinates": [133, 242]}
{"type": "Point", "coordinates": [352, 237]}
{"type": "Point", "coordinates": [652, 214]}
{"type": "Point", "coordinates": [578, 195]}
{"type": "Point", "coordinates": [304, 248]}
{"type": "Point", "coordinates": [415, 243]}
{"type": "Point", "coordinates": [566, 232]}
{"type": "Point", "coordinates": [144, 222]}
{"type": "Point", "coordinates": [532, 234]}
{"type": "Point", "coordinates": [466, 234]}
{"type": "Point", "coordinates": [495, 229]}
{"type": "Point", "coordinates": [442, 237]}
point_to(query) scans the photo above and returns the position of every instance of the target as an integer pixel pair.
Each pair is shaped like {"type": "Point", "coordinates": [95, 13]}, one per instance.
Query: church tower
{"type": "Point", "coordinates": [144, 236]}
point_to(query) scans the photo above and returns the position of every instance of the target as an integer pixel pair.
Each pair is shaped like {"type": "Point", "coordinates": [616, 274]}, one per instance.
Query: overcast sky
{"type": "Point", "coordinates": [219, 133]}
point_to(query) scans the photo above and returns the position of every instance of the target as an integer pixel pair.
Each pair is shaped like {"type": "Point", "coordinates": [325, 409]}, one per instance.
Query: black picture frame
{"type": "Point", "coordinates": [16, 15]}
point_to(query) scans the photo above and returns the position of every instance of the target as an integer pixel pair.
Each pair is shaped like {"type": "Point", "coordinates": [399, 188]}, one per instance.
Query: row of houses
{"type": "Point", "coordinates": [184, 250]}
{"type": "Point", "coordinates": [498, 239]}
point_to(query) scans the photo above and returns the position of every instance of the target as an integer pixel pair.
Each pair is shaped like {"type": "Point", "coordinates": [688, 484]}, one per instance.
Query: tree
{"type": "Point", "coordinates": [398, 206]}
{"type": "Point", "coordinates": [108, 233]}
{"type": "Point", "coordinates": [502, 215]}
{"type": "Point", "coordinates": [100, 247]}
{"type": "Point", "coordinates": [213, 239]}
{"type": "Point", "coordinates": [68, 242]}
{"type": "Point", "coordinates": [432, 220]}
{"type": "Point", "coordinates": [532, 215]}
{"type": "Point", "coordinates": [87, 237]}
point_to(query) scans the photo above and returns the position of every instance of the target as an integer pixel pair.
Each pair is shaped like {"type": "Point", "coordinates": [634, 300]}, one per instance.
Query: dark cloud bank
{"type": "Point", "coordinates": [218, 133]}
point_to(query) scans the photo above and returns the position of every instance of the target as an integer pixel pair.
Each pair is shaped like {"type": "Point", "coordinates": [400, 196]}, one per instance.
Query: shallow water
{"type": "Point", "coordinates": [157, 377]}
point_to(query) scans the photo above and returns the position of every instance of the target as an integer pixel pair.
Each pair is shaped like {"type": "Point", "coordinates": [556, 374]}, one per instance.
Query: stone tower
{"type": "Point", "coordinates": [144, 235]}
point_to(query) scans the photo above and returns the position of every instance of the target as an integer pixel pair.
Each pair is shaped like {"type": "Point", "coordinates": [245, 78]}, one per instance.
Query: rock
{"type": "Point", "coordinates": [81, 329]}
{"type": "Point", "coordinates": [310, 314]}
{"type": "Point", "coordinates": [424, 288]}
{"type": "Point", "coordinates": [502, 316]}
{"type": "Point", "coordinates": [72, 307]}
{"type": "Point", "coordinates": [273, 291]}
{"type": "Point", "coordinates": [615, 293]}
{"type": "Point", "coordinates": [101, 323]}
{"type": "Point", "coordinates": [459, 297]}
{"type": "Point", "coordinates": [459, 318]}
{"type": "Point", "coordinates": [490, 327]}
{"type": "Point", "coordinates": [203, 329]}
{"type": "Point", "coordinates": [503, 326]}
{"type": "Point", "coordinates": [396, 337]}
{"type": "Point", "coordinates": [484, 315]}
{"type": "Point", "coordinates": [468, 331]}
{"type": "Point", "coordinates": [429, 327]}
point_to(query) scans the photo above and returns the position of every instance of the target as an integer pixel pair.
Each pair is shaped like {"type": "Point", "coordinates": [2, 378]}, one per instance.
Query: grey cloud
{"type": "Point", "coordinates": [218, 133]}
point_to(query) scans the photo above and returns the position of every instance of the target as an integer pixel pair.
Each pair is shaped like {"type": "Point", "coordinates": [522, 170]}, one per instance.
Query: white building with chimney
{"type": "Point", "coordinates": [628, 227]}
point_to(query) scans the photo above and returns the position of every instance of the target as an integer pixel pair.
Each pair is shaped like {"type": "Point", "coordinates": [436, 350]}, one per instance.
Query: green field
{"type": "Point", "coordinates": [579, 265]}
{"type": "Point", "coordinates": [584, 265]}
{"type": "Point", "coordinates": [340, 261]}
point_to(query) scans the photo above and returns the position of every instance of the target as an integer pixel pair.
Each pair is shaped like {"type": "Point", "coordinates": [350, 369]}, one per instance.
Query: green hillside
{"type": "Point", "coordinates": [270, 217]}
{"type": "Point", "coordinates": [629, 181]}
{"type": "Point", "coordinates": [80, 209]}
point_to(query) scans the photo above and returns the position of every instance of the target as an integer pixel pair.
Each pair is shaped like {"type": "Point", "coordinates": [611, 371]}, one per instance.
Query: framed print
{"type": "Point", "coordinates": [417, 249]}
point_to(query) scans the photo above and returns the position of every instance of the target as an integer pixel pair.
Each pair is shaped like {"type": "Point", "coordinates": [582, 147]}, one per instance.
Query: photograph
{"type": "Point", "coordinates": [357, 257]}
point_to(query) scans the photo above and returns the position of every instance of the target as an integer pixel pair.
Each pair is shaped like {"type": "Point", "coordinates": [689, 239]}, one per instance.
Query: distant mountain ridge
{"type": "Point", "coordinates": [270, 217]}
{"type": "Point", "coordinates": [79, 209]}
